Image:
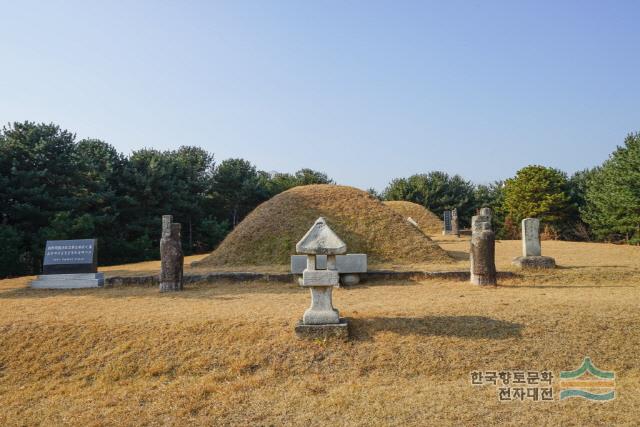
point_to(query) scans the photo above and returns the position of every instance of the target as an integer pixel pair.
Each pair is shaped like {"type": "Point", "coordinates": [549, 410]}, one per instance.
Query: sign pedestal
{"type": "Point", "coordinates": [69, 281]}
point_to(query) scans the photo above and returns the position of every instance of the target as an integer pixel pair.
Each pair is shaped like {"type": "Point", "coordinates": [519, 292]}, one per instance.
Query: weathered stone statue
{"type": "Point", "coordinates": [483, 250]}
{"type": "Point", "coordinates": [531, 249]}
{"type": "Point", "coordinates": [321, 319]}
{"type": "Point", "coordinates": [171, 256]}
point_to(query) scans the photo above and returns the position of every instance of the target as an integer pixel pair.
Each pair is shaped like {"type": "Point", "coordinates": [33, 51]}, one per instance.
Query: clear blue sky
{"type": "Point", "coordinates": [363, 90]}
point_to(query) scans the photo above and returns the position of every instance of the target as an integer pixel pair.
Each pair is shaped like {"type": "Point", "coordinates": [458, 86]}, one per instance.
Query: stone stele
{"type": "Point", "coordinates": [321, 319]}
{"type": "Point", "coordinates": [531, 249]}
{"type": "Point", "coordinates": [171, 256]}
{"type": "Point", "coordinates": [455, 229]}
{"type": "Point", "coordinates": [531, 237]}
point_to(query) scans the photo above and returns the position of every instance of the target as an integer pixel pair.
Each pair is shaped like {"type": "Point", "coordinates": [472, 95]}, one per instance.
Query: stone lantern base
{"type": "Point", "coordinates": [338, 331]}
{"type": "Point", "coordinates": [534, 262]}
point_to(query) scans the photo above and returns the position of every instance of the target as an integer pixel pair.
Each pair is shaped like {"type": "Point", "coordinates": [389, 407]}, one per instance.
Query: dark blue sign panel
{"type": "Point", "coordinates": [447, 220]}
{"type": "Point", "coordinates": [71, 256]}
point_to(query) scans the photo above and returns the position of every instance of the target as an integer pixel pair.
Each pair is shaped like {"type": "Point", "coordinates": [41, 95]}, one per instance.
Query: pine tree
{"type": "Point", "coordinates": [539, 192]}
{"type": "Point", "coordinates": [613, 194]}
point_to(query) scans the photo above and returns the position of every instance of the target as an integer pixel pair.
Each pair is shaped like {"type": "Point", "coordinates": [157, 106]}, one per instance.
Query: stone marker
{"type": "Point", "coordinates": [485, 212]}
{"type": "Point", "coordinates": [321, 319]}
{"type": "Point", "coordinates": [171, 256]}
{"type": "Point", "coordinates": [455, 230]}
{"type": "Point", "coordinates": [447, 223]}
{"type": "Point", "coordinates": [482, 253]}
{"type": "Point", "coordinates": [531, 249]}
{"type": "Point", "coordinates": [70, 264]}
{"type": "Point", "coordinates": [413, 222]}
{"type": "Point", "coordinates": [531, 237]}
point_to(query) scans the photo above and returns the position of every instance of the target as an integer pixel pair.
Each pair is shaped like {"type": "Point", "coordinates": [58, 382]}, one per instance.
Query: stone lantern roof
{"type": "Point", "coordinates": [321, 240]}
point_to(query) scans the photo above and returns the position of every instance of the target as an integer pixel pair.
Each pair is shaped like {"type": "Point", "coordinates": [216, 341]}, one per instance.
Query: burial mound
{"type": "Point", "coordinates": [268, 235]}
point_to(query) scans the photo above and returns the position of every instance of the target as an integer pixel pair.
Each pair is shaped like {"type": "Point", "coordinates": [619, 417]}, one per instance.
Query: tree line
{"type": "Point", "coordinates": [600, 204]}
{"type": "Point", "coordinates": [53, 186]}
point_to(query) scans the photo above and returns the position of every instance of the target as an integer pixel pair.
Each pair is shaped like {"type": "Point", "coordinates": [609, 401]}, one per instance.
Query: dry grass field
{"type": "Point", "coordinates": [225, 353]}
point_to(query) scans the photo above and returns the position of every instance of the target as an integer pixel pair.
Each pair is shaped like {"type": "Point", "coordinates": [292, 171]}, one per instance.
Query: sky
{"type": "Point", "coordinates": [365, 91]}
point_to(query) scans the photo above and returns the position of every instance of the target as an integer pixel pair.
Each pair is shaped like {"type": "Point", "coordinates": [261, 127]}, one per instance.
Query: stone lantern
{"type": "Point", "coordinates": [321, 320]}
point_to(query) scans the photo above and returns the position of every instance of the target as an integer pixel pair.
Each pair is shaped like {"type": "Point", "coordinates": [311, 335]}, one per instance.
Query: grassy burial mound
{"type": "Point", "coordinates": [268, 235]}
{"type": "Point", "coordinates": [428, 222]}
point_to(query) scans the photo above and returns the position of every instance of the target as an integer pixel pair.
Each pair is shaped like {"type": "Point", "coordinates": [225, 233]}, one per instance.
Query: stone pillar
{"type": "Point", "coordinates": [321, 311]}
{"type": "Point", "coordinates": [171, 256]}
{"type": "Point", "coordinates": [455, 229]}
{"type": "Point", "coordinates": [531, 237]}
{"type": "Point", "coordinates": [482, 253]}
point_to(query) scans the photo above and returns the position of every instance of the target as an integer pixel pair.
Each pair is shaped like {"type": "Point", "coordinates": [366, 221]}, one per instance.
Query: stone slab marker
{"type": "Point", "coordinates": [455, 229]}
{"type": "Point", "coordinates": [531, 237]}
{"type": "Point", "coordinates": [171, 256]}
{"type": "Point", "coordinates": [446, 222]}
{"type": "Point", "coordinates": [483, 250]}
{"type": "Point", "coordinates": [531, 249]}
{"type": "Point", "coordinates": [321, 319]}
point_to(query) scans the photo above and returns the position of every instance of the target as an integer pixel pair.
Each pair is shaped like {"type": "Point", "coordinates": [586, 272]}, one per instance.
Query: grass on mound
{"type": "Point", "coordinates": [268, 235]}
{"type": "Point", "coordinates": [427, 221]}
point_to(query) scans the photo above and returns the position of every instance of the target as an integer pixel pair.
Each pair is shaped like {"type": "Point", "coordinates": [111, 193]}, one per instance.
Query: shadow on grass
{"type": "Point", "coordinates": [459, 255]}
{"type": "Point", "coordinates": [579, 267]}
{"type": "Point", "coordinates": [218, 290]}
{"type": "Point", "coordinates": [566, 286]}
{"type": "Point", "coordinates": [451, 326]}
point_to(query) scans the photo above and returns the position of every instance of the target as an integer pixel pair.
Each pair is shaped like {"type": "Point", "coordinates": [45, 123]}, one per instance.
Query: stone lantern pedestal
{"type": "Point", "coordinates": [321, 320]}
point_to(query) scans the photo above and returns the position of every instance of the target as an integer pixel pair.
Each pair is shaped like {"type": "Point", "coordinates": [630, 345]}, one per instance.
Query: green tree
{"type": "Point", "coordinates": [577, 186]}
{"type": "Point", "coordinates": [539, 192]}
{"type": "Point", "coordinates": [12, 246]}
{"type": "Point", "coordinates": [239, 188]}
{"type": "Point", "coordinates": [276, 182]}
{"type": "Point", "coordinates": [38, 180]}
{"type": "Point", "coordinates": [307, 176]}
{"type": "Point", "coordinates": [374, 193]}
{"type": "Point", "coordinates": [612, 196]}
{"type": "Point", "coordinates": [492, 196]}
{"type": "Point", "coordinates": [437, 191]}
{"type": "Point", "coordinates": [577, 190]}
{"type": "Point", "coordinates": [156, 183]}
